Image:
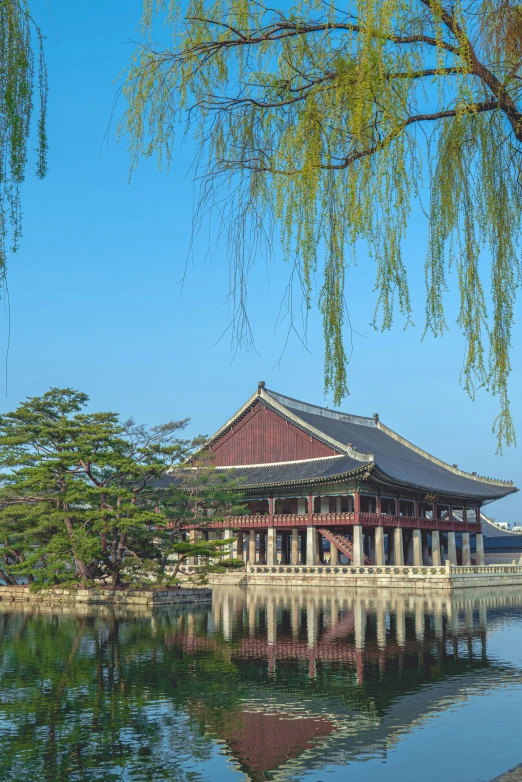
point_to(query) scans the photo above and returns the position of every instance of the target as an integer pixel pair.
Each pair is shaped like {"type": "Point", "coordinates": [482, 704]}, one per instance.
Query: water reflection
{"type": "Point", "coordinates": [278, 684]}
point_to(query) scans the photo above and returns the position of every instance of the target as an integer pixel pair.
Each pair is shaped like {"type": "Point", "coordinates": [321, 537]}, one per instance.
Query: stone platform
{"type": "Point", "coordinates": [417, 580]}
{"type": "Point", "coordinates": [114, 597]}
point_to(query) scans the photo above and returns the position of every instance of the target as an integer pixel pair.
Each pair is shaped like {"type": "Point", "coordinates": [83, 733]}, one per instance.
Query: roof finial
{"type": "Point", "coordinates": [261, 385]}
{"type": "Point", "coordinates": [376, 416]}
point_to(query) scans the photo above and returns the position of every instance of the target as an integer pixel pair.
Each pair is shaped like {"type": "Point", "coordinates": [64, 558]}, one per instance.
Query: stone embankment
{"type": "Point", "coordinates": [103, 596]}
{"type": "Point", "coordinates": [417, 580]}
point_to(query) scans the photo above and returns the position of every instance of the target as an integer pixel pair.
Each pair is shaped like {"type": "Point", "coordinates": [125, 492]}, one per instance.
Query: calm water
{"type": "Point", "coordinates": [304, 686]}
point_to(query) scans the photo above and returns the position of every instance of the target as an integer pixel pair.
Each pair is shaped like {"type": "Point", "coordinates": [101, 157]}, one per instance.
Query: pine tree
{"type": "Point", "coordinates": [84, 497]}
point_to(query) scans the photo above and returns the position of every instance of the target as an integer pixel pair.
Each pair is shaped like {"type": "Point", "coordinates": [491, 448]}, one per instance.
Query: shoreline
{"type": "Point", "coordinates": [112, 597]}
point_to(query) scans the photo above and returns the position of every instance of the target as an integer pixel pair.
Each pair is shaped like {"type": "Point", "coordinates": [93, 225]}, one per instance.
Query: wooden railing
{"type": "Point", "coordinates": [301, 521]}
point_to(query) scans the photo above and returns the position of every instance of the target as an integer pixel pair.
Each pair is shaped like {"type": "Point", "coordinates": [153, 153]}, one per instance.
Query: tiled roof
{"type": "Point", "coordinates": [506, 543]}
{"type": "Point", "coordinates": [392, 455]}
{"type": "Point", "coordinates": [283, 472]}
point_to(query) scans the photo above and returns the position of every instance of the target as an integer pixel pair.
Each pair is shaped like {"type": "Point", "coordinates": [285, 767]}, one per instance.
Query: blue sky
{"type": "Point", "coordinates": [96, 302]}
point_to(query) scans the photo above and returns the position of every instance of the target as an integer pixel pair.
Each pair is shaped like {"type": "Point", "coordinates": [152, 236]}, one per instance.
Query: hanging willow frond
{"type": "Point", "coordinates": [322, 121]}
{"type": "Point", "coordinates": [22, 74]}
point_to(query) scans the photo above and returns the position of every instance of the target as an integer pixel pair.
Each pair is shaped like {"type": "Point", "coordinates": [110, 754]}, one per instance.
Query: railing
{"type": "Point", "coordinates": [385, 570]}
{"type": "Point", "coordinates": [465, 570]}
{"type": "Point", "coordinates": [349, 570]}
{"type": "Point", "coordinates": [303, 520]}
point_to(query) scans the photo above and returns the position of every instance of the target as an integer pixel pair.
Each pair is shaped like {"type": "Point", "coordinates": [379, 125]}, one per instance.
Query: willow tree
{"type": "Point", "coordinates": [23, 79]}
{"type": "Point", "coordinates": [326, 122]}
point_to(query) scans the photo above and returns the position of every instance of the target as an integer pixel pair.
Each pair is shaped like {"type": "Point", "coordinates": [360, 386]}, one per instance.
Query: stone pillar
{"type": "Point", "coordinates": [271, 558]}
{"type": "Point", "coordinates": [358, 557]}
{"type": "Point", "coordinates": [435, 548]}
{"type": "Point", "coordinates": [295, 547]}
{"type": "Point", "coordinates": [319, 548]}
{"type": "Point", "coordinates": [481, 560]}
{"type": "Point", "coordinates": [311, 546]}
{"type": "Point", "coordinates": [452, 549]}
{"type": "Point", "coordinates": [334, 555]}
{"type": "Point", "coordinates": [283, 560]}
{"type": "Point", "coordinates": [262, 547]}
{"type": "Point", "coordinates": [230, 548]}
{"type": "Point", "coordinates": [417, 548]}
{"type": "Point", "coordinates": [252, 547]}
{"type": "Point", "coordinates": [240, 546]}
{"type": "Point", "coordinates": [193, 536]}
{"type": "Point", "coordinates": [379, 546]}
{"type": "Point", "coordinates": [398, 547]}
{"type": "Point", "coordinates": [466, 550]}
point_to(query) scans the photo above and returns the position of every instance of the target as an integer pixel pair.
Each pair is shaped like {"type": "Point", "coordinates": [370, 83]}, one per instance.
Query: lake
{"type": "Point", "coordinates": [325, 685]}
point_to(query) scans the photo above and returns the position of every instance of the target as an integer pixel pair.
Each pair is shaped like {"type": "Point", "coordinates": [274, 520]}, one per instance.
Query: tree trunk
{"type": "Point", "coordinates": [8, 578]}
{"type": "Point", "coordinates": [82, 567]}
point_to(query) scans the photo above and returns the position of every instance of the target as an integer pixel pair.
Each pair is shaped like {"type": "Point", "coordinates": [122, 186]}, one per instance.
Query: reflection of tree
{"type": "Point", "coordinates": [86, 699]}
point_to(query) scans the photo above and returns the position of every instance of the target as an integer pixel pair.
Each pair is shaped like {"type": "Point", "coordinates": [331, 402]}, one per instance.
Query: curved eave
{"type": "Point", "coordinates": [382, 476]}
{"type": "Point", "coordinates": [363, 471]}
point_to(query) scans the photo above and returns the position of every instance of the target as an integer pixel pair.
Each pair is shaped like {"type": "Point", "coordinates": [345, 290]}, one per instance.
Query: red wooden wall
{"type": "Point", "coordinates": [264, 436]}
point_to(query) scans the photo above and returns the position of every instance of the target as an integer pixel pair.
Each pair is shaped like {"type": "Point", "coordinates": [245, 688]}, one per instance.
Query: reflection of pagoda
{"type": "Point", "coordinates": [331, 679]}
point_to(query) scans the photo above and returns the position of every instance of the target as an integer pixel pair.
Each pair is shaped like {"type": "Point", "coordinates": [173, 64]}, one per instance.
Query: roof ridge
{"type": "Point", "coordinates": [327, 412]}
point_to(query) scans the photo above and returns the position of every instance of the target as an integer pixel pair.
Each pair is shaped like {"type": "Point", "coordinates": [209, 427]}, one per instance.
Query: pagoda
{"type": "Point", "coordinates": [310, 473]}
